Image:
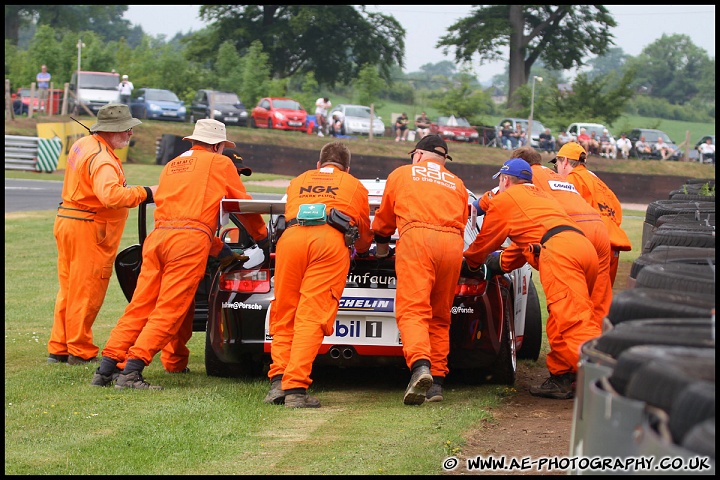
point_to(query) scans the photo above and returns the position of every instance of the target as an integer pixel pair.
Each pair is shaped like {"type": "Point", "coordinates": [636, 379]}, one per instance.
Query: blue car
{"type": "Point", "coordinates": [157, 104]}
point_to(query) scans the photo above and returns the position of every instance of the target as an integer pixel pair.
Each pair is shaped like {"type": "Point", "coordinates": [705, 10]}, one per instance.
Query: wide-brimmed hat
{"type": "Point", "coordinates": [211, 132]}
{"type": "Point", "coordinates": [234, 155]}
{"type": "Point", "coordinates": [114, 117]}
{"type": "Point", "coordinates": [516, 167]}
{"type": "Point", "coordinates": [571, 151]}
{"type": "Point", "coordinates": [433, 143]}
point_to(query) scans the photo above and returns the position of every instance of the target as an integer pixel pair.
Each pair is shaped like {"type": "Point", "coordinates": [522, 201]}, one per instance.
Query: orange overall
{"type": "Point", "coordinates": [428, 206]}
{"type": "Point", "coordinates": [175, 255]}
{"type": "Point", "coordinates": [88, 228]}
{"type": "Point", "coordinates": [604, 200]}
{"type": "Point", "coordinates": [311, 267]}
{"type": "Point", "coordinates": [589, 221]}
{"type": "Point", "coordinates": [567, 262]}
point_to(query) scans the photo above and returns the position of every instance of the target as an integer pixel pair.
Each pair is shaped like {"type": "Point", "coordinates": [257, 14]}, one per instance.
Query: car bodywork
{"type": "Point", "coordinates": [225, 107]}
{"type": "Point", "coordinates": [456, 129]}
{"type": "Point", "coordinates": [94, 90]}
{"type": "Point", "coordinates": [157, 104]}
{"type": "Point", "coordinates": [494, 322]}
{"type": "Point", "coordinates": [279, 113]}
{"type": "Point", "coordinates": [356, 120]}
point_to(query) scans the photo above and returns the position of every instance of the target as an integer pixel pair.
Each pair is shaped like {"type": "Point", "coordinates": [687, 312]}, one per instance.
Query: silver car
{"type": "Point", "coordinates": [355, 120]}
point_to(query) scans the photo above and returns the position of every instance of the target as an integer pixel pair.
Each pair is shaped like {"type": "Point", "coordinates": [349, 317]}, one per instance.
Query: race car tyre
{"type": "Point", "coordinates": [214, 367]}
{"type": "Point", "coordinates": [504, 369]}
{"type": "Point", "coordinates": [532, 337]}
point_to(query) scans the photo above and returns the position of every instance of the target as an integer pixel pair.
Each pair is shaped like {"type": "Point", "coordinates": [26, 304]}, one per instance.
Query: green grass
{"type": "Point", "coordinates": [57, 424]}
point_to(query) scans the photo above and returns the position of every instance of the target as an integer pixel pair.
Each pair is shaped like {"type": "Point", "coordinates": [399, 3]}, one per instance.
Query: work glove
{"type": "Point", "coordinates": [264, 244]}
{"type": "Point", "coordinates": [468, 272]}
{"type": "Point", "coordinates": [227, 257]}
{"type": "Point", "coordinates": [492, 264]}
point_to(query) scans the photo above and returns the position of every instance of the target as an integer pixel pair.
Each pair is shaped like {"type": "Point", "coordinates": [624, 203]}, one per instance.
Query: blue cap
{"type": "Point", "coordinates": [517, 167]}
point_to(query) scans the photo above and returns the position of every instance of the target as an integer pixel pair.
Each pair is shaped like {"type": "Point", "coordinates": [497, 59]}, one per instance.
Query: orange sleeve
{"type": "Point", "coordinates": [109, 188]}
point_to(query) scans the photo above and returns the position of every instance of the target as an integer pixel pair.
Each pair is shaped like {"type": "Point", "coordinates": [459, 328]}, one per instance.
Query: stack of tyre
{"type": "Point", "coordinates": [646, 387]}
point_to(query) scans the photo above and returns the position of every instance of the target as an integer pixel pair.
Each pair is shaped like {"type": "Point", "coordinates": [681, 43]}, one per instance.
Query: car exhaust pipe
{"type": "Point", "coordinates": [334, 353]}
{"type": "Point", "coordinates": [347, 353]}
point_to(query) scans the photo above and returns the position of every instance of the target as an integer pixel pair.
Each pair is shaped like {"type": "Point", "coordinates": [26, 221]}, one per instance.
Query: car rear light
{"type": "Point", "coordinates": [246, 281]}
{"type": "Point", "coordinates": [470, 286]}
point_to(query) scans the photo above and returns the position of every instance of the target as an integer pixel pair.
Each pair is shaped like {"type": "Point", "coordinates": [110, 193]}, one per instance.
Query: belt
{"type": "Point", "coordinates": [536, 247]}
{"type": "Point", "coordinates": [292, 222]}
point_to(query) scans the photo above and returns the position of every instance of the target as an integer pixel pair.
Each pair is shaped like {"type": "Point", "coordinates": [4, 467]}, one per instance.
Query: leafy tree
{"type": "Point", "coordinates": [334, 42]}
{"type": "Point", "coordinates": [368, 86]}
{"type": "Point", "coordinates": [228, 68]}
{"type": "Point", "coordinates": [602, 65]}
{"type": "Point", "coordinates": [462, 99]}
{"type": "Point", "coordinates": [256, 74]}
{"type": "Point", "coordinates": [664, 67]}
{"type": "Point", "coordinates": [560, 35]}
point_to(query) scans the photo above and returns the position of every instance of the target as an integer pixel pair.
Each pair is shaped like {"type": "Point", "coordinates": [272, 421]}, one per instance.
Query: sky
{"type": "Point", "coordinates": [425, 24]}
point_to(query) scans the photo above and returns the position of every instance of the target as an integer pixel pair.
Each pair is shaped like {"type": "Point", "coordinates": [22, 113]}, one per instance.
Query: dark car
{"type": "Point", "coordinates": [651, 136]}
{"type": "Point", "coordinates": [157, 104]}
{"type": "Point", "coordinates": [225, 107]}
{"type": "Point", "coordinates": [494, 322]}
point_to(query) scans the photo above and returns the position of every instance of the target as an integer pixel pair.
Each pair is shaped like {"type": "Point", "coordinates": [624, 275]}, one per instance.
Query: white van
{"type": "Point", "coordinates": [94, 90]}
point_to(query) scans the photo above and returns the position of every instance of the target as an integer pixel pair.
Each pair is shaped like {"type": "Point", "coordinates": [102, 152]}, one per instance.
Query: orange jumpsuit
{"type": "Point", "coordinates": [589, 221]}
{"type": "Point", "coordinates": [568, 265]}
{"type": "Point", "coordinates": [311, 267]}
{"type": "Point", "coordinates": [175, 255]}
{"type": "Point", "coordinates": [428, 206]}
{"type": "Point", "coordinates": [88, 228]}
{"type": "Point", "coordinates": [604, 200]}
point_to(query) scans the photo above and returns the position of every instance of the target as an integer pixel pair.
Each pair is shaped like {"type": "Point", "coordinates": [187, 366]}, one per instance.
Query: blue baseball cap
{"type": "Point", "coordinates": [517, 167]}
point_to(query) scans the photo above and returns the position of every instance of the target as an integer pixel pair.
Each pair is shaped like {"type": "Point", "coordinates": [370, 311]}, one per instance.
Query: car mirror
{"type": "Point", "coordinates": [140, 99]}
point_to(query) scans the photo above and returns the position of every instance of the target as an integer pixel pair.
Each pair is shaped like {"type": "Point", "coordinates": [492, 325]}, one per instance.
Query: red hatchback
{"type": "Point", "coordinates": [279, 113]}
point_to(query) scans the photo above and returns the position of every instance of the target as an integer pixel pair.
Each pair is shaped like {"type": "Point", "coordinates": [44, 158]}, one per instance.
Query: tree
{"type": "Point", "coordinates": [334, 42]}
{"type": "Point", "coordinates": [665, 67]}
{"type": "Point", "coordinates": [612, 61]}
{"type": "Point", "coordinates": [368, 86]}
{"type": "Point", "coordinates": [560, 35]}
{"type": "Point", "coordinates": [462, 97]}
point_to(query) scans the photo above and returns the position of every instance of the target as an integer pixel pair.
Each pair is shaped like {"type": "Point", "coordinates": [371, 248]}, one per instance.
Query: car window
{"type": "Point", "coordinates": [287, 104]}
{"type": "Point", "coordinates": [161, 96]}
{"type": "Point", "coordinates": [358, 112]}
{"type": "Point", "coordinates": [265, 104]}
{"type": "Point", "coordinates": [227, 98]}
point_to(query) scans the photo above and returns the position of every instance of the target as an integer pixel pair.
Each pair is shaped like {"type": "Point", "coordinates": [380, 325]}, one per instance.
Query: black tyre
{"type": "Point", "coordinates": [504, 370]}
{"type": "Point", "coordinates": [678, 277]}
{"type": "Point", "coordinates": [252, 123]}
{"type": "Point", "coordinates": [641, 302]}
{"type": "Point", "coordinates": [692, 197]}
{"type": "Point", "coordinates": [693, 405]}
{"type": "Point", "coordinates": [686, 218]}
{"type": "Point", "coordinates": [701, 439]}
{"type": "Point", "coordinates": [659, 208]}
{"type": "Point", "coordinates": [700, 236]}
{"type": "Point", "coordinates": [270, 124]}
{"type": "Point", "coordinates": [532, 337]}
{"type": "Point", "coordinates": [663, 254]}
{"type": "Point", "coordinates": [214, 367]}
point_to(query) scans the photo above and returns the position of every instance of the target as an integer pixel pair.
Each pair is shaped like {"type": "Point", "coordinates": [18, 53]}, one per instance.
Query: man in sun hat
{"type": "Point", "coordinates": [175, 255]}
{"type": "Point", "coordinates": [545, 236]}
{"type": "Point", "coordinates": [428, 205]}
{"type": "Point", "coordinates": [90, 221]}
{"type": "Point", "coordinates": [570, 164]}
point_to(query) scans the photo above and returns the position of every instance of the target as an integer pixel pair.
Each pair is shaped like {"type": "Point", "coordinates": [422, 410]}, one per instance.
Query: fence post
{"type": "Point", "coordinates": [9, 112]}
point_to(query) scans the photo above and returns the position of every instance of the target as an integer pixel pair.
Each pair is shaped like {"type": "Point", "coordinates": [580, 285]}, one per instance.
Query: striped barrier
{"type": "Point", "coordinates": [48, 154]}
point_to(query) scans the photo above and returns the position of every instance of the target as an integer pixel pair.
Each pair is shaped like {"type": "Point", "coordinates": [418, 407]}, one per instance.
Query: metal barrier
{"type": "Point", "coordinates": [21, 152]}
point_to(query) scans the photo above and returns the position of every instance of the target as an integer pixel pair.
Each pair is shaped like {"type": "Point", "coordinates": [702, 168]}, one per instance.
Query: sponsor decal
{"type": "Point", "coordinates": [367, 280]}
{"type": "Point", "coordinates": [460, 309]}
{"type": "Point", "coordinates": [424, 174]}
{"type": "Point", "coordinates": [242, 306]}
{"type": "Point", "coordinates": [567, 186]}
{"type": "Point", "coordinates": [367, 304]}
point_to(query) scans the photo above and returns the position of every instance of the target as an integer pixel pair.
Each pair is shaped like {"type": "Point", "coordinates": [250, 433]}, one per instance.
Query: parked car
{"type": "Point", "coordinates": [356, 120]}
{"type": "Point", "coordinates": [280, 114]}
{"type": "Point", "coordinates": [651, 136]}
{"type": "Point", "coordinates": [24, 95]}
{"type": "Point", "coordinates": [574, 130]}
{"type": "Point", "coordinates": [457, 129]}
{"type": "Point", "coordinates": [537, 129]}
{"type": "Point", "coordinates": [494, 322]}
{"type": "Point", "coordinates": [157, 104]}
{"type": "Point", "coordinates": [226, 107]}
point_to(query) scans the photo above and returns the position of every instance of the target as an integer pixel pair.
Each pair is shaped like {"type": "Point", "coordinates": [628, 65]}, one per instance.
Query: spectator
{"type": "Point", "coordinates": [563, 138]}
{"type": "Point", "coordinates": [584, 139]}
{"type": "Point", "coordinates": [662, 149]}
{"type": "Point", "coordinates": [547, 143]}
{"type": "Point", "coordinates": [174, 258]}
{"type": "Point", "coordinates": [594, 144]}
{"type": "Point", "coordinates": [544, 235]}
{"type": "Point", "coordinates": [336, 124]}
{"type": "Point", "coordinates": [430, 215]}
{"type": "Point", "coordinates": [623, 145]}
{"type": "Point", "coordinates": [125, 87]}
{"type": "Point", "coordinates": [401, 127]}
{"type": "Point", "coordinates": [311, 266]}
{"type": "Point", "coordinates": [88, 228]}
{"type": "Point", "coordinates": [507, 138]}
{"type": "Point", "coordinates": [321, 110]}
{"type": "Point", "coordinates": [607, 146]}
{"type": "Point", "coordinates": [422, 126]}
{"type": "Point", "coordinates": [18, 106]}
{"type": "Point", "coordinates": [707, 151]}
{"type": "Point", "coordinates": [643, 149]}
{"type": "Point", "coordinates": [587, 219]}
{"type": "Point", "coordinates": [519, 135]}
{"type": "Point", "coordinates": [43, 84]}
{"type": "Point", "coordinates": [597, 194]}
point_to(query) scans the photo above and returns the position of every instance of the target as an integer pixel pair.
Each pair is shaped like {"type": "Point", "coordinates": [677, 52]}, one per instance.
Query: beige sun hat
{"type": "Point", "coordinates": [114, 117]}
{"type": "Point", "coordinates": [211, 132]}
